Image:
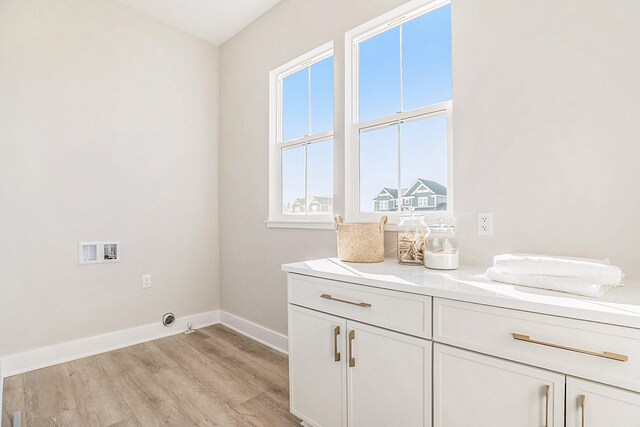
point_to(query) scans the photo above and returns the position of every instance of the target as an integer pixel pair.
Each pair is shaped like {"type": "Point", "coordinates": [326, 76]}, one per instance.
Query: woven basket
{"type": "Point", "coordinates": [360, 242]}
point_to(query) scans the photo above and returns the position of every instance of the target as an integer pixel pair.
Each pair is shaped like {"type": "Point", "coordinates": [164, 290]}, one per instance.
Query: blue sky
{"type": "Point", "coordinates": [426, 79]}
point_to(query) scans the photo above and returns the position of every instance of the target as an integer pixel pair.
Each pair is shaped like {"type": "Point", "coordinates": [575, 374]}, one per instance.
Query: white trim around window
{"type": "Point", "coordinates": [277, 219]}
{"type": "Point", "coordinates": [353, 127]}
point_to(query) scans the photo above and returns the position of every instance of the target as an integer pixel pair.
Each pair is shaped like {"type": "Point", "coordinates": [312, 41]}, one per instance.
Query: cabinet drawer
{"type": "Point", "coordinates": [399, 311]}
{"type": "Point", "coordinates": [604, 353]}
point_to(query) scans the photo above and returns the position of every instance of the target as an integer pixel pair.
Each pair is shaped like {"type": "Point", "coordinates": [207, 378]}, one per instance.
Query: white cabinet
{"type": "Point", "coordinates": [471, 389]}
{"type": "Point", "coordinates": [317, 381]}
{"type": "Point", "coordinates": [390, 380]}
{"type": "Point", "coordinates": [340, 369]}
{"type": "Point", "coordinates": [592, 404]}
{"type": "Point", "coordinates": [360, 355]}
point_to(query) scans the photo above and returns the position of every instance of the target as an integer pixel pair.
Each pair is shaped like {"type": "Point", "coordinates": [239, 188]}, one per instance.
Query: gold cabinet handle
{"type": "Point", "coordinates": [336, 353]}
{"type": "Point", "coordinates": [359, 304]}
{"type": "Point", "coordinates": [352, 360]}
{"type": "Point", "coordinates": [582, 401]}
{"type": "Point", "coordinates": [546, 405]}
{"type": "Point", "coordinates": [605, 354]}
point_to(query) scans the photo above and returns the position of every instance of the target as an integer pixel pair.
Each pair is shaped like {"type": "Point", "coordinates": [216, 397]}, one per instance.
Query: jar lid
{"type": "Point", "coordinates": [442, 228]}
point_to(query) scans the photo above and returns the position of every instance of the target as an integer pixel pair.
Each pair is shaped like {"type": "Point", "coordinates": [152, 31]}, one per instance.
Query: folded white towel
{"type": "Point", "coordinates": [594, 271]}
{"type": "Point", "coordinates": [571, 285]}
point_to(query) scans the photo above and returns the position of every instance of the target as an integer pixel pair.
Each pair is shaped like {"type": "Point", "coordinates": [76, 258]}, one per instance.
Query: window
{"type": "Point", "coordinates": [301, 139]}
{"type": "Point", "coordinates": [398, 110]}
{"type": "Point", "coordinates": [384, 205]}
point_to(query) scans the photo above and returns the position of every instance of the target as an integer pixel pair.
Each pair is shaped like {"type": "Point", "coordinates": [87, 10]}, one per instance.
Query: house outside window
{"type": "Point", "coordinates": [399, 112]}
{"type": "Point", "coordinates": [301, 140]}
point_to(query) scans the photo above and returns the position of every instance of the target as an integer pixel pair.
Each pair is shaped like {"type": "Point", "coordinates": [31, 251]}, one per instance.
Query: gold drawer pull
{"type": "Point", "coordinates": [546, 405]}
{"type": "Point", "coordinates": [352, 360]}
{"type": "Point", "coordinates": [605, 354]}
{"type": "Point", "coordinates": [336, 353]}
{"type": "Point", "coordinates": [582, 403]}
{"type": "Point", "coordinates": [359, 304]}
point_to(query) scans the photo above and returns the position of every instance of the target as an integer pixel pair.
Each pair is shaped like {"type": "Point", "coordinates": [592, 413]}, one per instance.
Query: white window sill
{"type": "Point", "coordinates": [314, 225]}
{"type": "Point", "coordinates": [304, 223]}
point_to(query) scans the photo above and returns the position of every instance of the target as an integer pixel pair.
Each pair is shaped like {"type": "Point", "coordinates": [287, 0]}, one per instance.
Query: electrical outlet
{"type": "Point", "coordinates": [485, 223]}
{"type": "Point", "coordinates": [146, 281]}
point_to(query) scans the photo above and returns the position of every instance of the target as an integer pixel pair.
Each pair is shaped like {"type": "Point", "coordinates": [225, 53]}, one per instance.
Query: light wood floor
{"type": "Point", "coordinates": [212, 377]}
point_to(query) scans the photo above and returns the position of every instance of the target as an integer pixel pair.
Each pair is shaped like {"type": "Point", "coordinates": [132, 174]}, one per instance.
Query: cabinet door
{"type": "Point", "coordinates": [317, 377]}
{"type": "Point", "coordinates": [591, 404]}
{"type": "Point", "coordinates": [471, 389]}
{"type": "Point", "coordinates": [389, 377]}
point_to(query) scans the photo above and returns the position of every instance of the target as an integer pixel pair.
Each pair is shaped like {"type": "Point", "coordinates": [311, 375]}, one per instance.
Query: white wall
{"type": "Point", "coordinates": [108, 130]}
{"type": "Point", "coordinates": [546, 135]}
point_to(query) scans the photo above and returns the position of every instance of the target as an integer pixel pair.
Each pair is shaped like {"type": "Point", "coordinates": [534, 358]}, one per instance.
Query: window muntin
{"type": "Point", "coordinates": [409, 96]}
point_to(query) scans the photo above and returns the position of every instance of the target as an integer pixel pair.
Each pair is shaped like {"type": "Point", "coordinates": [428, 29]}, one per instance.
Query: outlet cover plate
{"type": "Point", "coordinates": [485, 223]}
{"type": "Point", "coordinates": [146, 281]}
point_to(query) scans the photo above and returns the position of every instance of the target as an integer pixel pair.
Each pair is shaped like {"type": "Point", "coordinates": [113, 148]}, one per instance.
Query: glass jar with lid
{"type": "Point", "coordinates": [441, 247]}
{"type": "Point", "coordinates": [411, 233]}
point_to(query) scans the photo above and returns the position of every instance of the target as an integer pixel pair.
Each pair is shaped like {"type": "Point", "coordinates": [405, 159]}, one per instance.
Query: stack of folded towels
{"type": "Point", "coordinates": [580, 276]}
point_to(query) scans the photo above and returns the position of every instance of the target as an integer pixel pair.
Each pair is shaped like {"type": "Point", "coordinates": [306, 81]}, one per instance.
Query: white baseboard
{"type": "Point", "coordinates": [59, 353]}
{"type": "Point", "coordinates": [30, 360]}
{"type": "Point", "coordinates": [273, 339]}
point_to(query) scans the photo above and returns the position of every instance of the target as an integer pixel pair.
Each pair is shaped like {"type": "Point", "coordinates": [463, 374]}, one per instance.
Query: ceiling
{"type": "Point", "coordinates": [212, 20]}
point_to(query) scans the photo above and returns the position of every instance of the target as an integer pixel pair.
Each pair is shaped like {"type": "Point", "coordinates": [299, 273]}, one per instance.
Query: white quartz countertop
{"type": "Point", "coordinates": [619, 306]}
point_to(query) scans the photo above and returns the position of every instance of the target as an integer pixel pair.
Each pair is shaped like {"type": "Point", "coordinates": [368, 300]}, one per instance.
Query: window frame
{"type": "Point", "coordinates": [353, 127]}
{"type": "Point", "coordinates": [277, 218]}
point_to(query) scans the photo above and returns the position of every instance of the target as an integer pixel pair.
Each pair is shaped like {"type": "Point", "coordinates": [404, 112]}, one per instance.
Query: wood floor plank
{"type": "Point", "coordinates": [236, 389]}
{"type": "Point", "coordinates": [212, 377]}
{"type": "Point", "coordinates": [99, 402]}
{"type": "Point", "coordinates": [150, 404]}
{"type": "Point", "coordinates": [205, 406]}
{"type": "Point", "coordinates": [249, 349]}
{"type": "Point", "coordinates": [13, 398]}
{"type": "Point", "coordinates": [142, 356]}
{"type": "Point", "coordinates": [257, 356]}
{"type": "Point", "coordinates": [263, 411]}
{"type": "Point", "coordinates": [68, 418]}
{"type": "Point", "coordinates": [255, 375]}
{"type": "Point", "coordinates": [129, 422]}
{"type": "Point", "coordinates": [47, 393]}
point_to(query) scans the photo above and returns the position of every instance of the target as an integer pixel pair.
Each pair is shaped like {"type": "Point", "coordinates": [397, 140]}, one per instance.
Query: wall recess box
{"type": "Point", "coordinates": [98, 252]}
